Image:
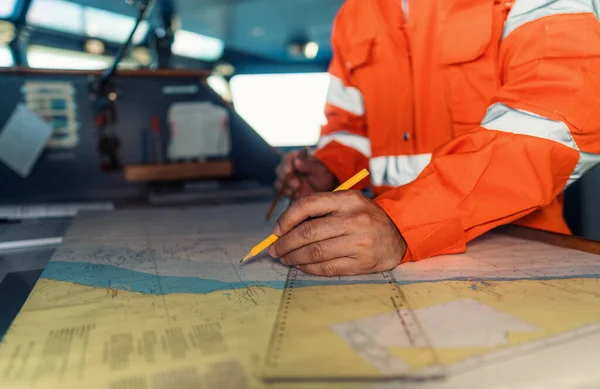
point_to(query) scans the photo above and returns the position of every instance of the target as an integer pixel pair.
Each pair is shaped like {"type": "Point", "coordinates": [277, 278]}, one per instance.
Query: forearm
{"type": "Point", "coordinates": [475, 183]}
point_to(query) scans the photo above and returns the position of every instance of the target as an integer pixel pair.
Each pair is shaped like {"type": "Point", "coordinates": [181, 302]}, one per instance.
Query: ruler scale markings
{"type": "Point", "coordinates": [290, 333]}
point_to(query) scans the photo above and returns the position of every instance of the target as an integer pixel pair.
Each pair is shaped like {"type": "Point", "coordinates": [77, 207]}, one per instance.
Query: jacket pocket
{"type": "Point", "coordinates": [359, 54]}
{"type": "Point", "coordinates": [468, 57]}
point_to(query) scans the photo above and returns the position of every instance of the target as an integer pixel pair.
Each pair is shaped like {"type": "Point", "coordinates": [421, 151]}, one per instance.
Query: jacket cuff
{"type": "Point", "coordinates": [428, 228]}
{"type": "Point", "coordinates": [343, 162]}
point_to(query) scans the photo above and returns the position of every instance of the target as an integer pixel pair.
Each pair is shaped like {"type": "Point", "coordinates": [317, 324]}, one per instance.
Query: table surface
{"type": "Point", "coordinates": [156, 298]}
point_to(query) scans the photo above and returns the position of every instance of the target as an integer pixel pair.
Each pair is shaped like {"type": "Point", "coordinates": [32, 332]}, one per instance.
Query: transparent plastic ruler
{"type": "Point", "coordinates": [347, 329]}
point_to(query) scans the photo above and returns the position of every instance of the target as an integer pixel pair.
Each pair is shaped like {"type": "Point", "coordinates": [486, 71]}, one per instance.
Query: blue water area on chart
{"type": "Point", "coordinates": [107, 276]}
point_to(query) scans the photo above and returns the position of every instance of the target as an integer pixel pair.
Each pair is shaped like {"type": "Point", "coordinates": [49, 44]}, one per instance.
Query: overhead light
{"type": "Point", "coordinates": [141, 55]}
{"type": "Point", "coordinates": [301, 48]}
{"type": "Point", "coordinates": [311, 50]}
{"type": "Point", "coordinates": [7, 32]}
{"type": "Point", "coordinates": [224, 69]}
{"type": "Point", "coordinates": [94, 46]}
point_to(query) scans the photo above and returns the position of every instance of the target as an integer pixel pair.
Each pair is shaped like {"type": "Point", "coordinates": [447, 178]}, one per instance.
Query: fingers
{"type": "Point", "coordinates": [343, 266]}
{"type": "Point", "coordinates": [312, 231]}
{"type": "Point", "coordinates": [284, 173]}
{"type": "Point", "coordinates": [293, 182]}
{"type": "Point", "coordinates": [304, 165]}
{"type": "Point", "coordinates": [309, 206]}
{"type": "Point", "coordinates": [323, 251]}
{"type": "Point", "coordinates": [285, 166]}
{"type": "Point", "coordinates": [315, 205]}
{"type": "Point", "coordinates": [287, 191]}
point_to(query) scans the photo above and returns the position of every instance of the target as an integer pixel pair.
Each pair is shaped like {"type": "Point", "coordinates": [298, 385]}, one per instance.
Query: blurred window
{"type": "Point", "coordinates": [220, 86]}
{"type": "Point", "coordinates": [52, 58]}
{"type": "Point", "coordinates": [112, 27]}
{"type": "Point", "coordinates": [192, 45]}
{"type": "Point", "coordinates": [6, 58]}
{"type": "Point", "coordinates": [7, 8]}
{"type": "Point", "coordinates": [57, 15]}
{"type": "Point", "coordinates": [66, 16]}
{"type": "Point", "coordinates": [285, 109]}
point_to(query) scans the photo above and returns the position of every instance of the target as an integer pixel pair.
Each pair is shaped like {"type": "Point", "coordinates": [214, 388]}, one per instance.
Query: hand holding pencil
{"type": "Point", "coordinates": [336, 234]}
{"type": "Point", "coordinates": [301, 173]}
{"type": "Point", "coordinates": [272, 238]}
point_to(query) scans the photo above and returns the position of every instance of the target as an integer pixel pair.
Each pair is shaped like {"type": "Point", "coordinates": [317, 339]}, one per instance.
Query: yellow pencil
{"type": "Point", "coordinates": [272, 238]}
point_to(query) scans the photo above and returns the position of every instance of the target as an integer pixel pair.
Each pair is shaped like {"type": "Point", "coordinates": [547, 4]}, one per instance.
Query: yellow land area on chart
{"type": "Point", "coordinates": [72, 336]}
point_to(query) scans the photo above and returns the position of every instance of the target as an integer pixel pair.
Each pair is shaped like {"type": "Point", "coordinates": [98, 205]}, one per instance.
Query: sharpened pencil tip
{"type": "Point", "coordinates": [248, 256]}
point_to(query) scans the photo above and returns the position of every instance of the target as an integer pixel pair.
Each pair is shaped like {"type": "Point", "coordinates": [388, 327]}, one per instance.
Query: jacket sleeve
{"type": "Point", "coordinates": [343, 145]}
{"type": "Point", "coordinates": [540, 134]}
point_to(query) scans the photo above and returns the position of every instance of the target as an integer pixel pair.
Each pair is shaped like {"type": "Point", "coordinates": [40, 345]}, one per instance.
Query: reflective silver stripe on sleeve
{"type": "Point", "coordinates": [347, 98]}
{"type": "Point", "coordinates": [587, 161]}
{"type": "Point", "coordinates": [500, 117]}
{"type": "Point", "coordinates": [526, 11]}
{"type": "Point", "coordinates": [359, 143]}
{"type": "Point", "coordinates": [503, 118]}
{"type": "Point", "coordinates": [397, 170]}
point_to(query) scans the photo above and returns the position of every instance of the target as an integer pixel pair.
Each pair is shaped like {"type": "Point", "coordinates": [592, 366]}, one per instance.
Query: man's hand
{"type": "Point", "coordinates": [337, 234]}
{"type": "Point", "coordinates": [304, 175]}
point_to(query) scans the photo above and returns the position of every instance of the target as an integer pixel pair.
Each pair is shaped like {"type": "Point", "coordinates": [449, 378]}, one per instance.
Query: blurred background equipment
{"type": "Point", "coordinates": [153, 100]}
{"type": "Point", "coordinates": [195, 104]}
{"type": "Point", "coordinates": [137, 104]}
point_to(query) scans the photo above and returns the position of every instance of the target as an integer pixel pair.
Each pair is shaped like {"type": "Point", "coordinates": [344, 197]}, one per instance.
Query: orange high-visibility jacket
{"type": "Point", "coordinates": [469, 114]}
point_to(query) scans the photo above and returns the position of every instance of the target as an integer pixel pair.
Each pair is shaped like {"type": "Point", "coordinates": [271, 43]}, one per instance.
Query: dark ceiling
{"type": "Point", "coordinates": [261, 27]}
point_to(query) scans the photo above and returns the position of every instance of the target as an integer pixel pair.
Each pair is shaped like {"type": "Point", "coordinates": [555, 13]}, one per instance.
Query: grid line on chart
{"type": "Point", "coordinates": [160, 287]}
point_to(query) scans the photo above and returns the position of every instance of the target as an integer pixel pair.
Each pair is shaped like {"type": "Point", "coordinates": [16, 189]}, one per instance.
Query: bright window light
{"type": "Point", "coordinates": [7, 8]}
{"type": "Point", "coordinates": [6, 58]}
{"type": "Point", "coordinates": [111, 26]}
{"type": "Point", "coordinates": [51, 58]}
{"type": "Point", "coordinates": [219, 85]}
{"type": "Point", "coordinates": [189, 44]}
{"type": "Point", "coordinates": [285, 109]}
{"type": "Point", "coordinates": [57, 15]}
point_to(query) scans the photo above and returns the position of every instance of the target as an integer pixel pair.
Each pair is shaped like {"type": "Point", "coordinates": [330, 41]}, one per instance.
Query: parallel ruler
{"type": "Point", "coordinates": [331, 329]}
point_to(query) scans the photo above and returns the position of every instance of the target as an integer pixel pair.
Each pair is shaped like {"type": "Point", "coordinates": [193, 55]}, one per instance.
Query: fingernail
{"type": "Point", "coordinates": [283, 262]}
{"type": "Point", "coordinates": [294, 184]}
{"type": "Point", "coordinates": [276, 231]}
{"type": "Point", "coordinates": [272, 251]}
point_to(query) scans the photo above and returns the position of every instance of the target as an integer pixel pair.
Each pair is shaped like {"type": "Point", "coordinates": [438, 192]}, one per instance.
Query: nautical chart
{"type": "Point", "coordinates": [157, 299]}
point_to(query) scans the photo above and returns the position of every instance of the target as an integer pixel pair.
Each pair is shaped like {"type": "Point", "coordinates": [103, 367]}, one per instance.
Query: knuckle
{"type": "Point", "coordinates": [288, 259]}
{"type": "Point", "coordinates": [277, 246]}
{"type": "Point", "coordinates": [363, 218]}
{"type": "Point", "coordinates": [328, 270]}
{"type": "Point", "coordinates": [307, 269]}
{"type": "Point", "coordinates": [306, 202]}
{"type": "Point", "coordinates": [308, 231]}
{"type": "Point", "coordinates": [283, 222]}
{"type": "Point", "coordinates": [315, 252]}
